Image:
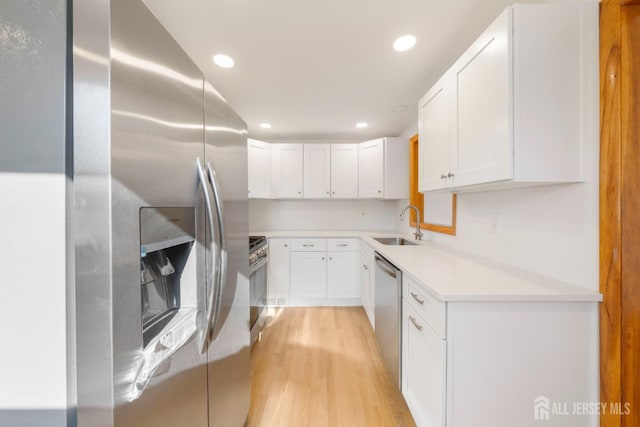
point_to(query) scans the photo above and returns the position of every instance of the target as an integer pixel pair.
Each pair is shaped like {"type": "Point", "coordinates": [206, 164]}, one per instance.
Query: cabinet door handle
{"type": "Point", "coordinates": [342, 245]}
{"type": "Point", "coordinates": [323, 258]}
{"type": "Point", "coordinates": [443, 176]}
{"type": "Point", "coordinates": [415, 323]}
{"type": "Point", "coordinates": [285, 246]}
{"type": "Point", "coordinates": [415, 297]}
{"type": "Point", "coordinates": [450, 175]}
{"type": "Point", "coordinates": [306, 245]}
{"type": "Point", "coordinates": [365, 267]}
{"type": "Point", "coordinates": [330, 258]}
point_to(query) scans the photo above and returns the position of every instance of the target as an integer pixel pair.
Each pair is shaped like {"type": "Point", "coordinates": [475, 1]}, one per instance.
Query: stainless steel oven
{"type": "Point", "coordinates": [258, 256]}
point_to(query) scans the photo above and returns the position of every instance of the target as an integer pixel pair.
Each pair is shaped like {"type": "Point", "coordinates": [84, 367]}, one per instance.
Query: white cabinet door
{"type": "Point", "coordinates": [344, 171]}
{"type": "Point", "coordinates": [259, 168]}
{"type": "Point", "coordinates": [516, 116]}
{"type": "Point", "coordinates": [364, 283]}
{"type": "Point", "coordinates": [342, 277]}
{"type": "Point", "coordinates": [434, 167]}
{"type": "Point", "coordinates": [317, 171]}
{"type": "Point", "coordinates": [278, 271]}
{"type": "Point", "coordinates": [423, 370]}
{"type": "Point", "coordinates": [366, 286]}
{"type": "Point", "coordinates": [308, 275]}
{"type": "Point", "coordinates": [371, 169]}
{"type": "Point", "coordinates": [484, 87]}
{"type": "Point", "coordinates": [286, 170]}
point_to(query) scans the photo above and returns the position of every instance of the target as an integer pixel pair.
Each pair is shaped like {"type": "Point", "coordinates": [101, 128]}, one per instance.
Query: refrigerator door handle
{"type": "Point", "coordinates": [222, 276]}
{"type": "Point", "coordinates": [211, 286]}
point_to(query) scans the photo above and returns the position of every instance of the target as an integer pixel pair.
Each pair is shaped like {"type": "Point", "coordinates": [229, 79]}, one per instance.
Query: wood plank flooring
{"type": "Point", "coordinates": [321, 366]}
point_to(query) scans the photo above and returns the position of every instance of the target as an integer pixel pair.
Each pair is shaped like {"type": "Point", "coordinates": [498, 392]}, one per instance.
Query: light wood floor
{"type": "Point", "coordinates": [321, 366]}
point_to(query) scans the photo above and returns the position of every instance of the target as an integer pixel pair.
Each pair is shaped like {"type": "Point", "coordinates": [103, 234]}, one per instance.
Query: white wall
{"type": "Point", "coordinates": [322, 215]}
{"type": "Point", "coordinates": [552, 230]}
{"type": "Point", "coordinates": [33, 362]}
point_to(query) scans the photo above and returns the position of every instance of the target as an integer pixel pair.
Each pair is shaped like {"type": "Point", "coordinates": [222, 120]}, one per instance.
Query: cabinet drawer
{"type": "Point", "coordinates": [427, 306]}
{"type": "Point", "coordinates": [424, 369]}
{"type": "Point", "coordinates": [309, 245]}
{"type": "Point", "coordinates": [341, 245]}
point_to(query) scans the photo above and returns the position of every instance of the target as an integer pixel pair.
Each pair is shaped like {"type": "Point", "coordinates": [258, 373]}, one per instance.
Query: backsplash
{"type": "Point", "coordinates": [322, 215]}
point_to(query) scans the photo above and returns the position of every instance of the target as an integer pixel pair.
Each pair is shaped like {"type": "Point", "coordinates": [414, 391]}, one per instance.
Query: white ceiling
{"type": "Point", "coordinates": [314, 68]}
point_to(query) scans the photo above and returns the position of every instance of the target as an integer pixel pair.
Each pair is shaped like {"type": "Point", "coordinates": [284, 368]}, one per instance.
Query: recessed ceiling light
{"type": "Point", "coordinates": [224, 61]}
{"type": "Point", "coordinates": [404, 43]}
{"type": "Point", "coordinates": [362, 125]}
{"type": "Point", "coordinates": [265, 125]}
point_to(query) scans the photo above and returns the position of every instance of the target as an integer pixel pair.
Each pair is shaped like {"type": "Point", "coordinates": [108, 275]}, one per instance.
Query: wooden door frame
{"type": "Point", "coordinates": [620, 209]}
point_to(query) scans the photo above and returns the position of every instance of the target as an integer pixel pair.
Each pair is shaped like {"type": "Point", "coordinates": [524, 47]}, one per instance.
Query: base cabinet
{"type": "Point", "coordinates": [423, 369]}
{"type": "Point", "coordinates": [342, 278]}
{"type": "Point", "coordinates": [278, 271]}
{"type": "Point", "coordinates": [308, 275]}
{"type": "Point", "coordinates": [489, 363]}
{"type": "Point", "coordinates": [324, 272]}
{"type": "Point", "coordinates": [367, 285]}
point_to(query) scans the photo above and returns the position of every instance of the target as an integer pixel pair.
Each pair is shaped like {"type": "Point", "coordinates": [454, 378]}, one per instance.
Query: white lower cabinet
{"type": "Point", "coordinates": [423, 369]}
{"type": "Point", "coordinates": [491, 363]}
{"type": "Point", "coordinates": [323, 272]}
{"type": "Point", "coordinates": [308, 275]}
{"type": "Point", "coordinates": [342, 278]}
{"type": "Point", "coordinates": [367, 285]}
{"type": "Point", "coordinates": [278, 271]}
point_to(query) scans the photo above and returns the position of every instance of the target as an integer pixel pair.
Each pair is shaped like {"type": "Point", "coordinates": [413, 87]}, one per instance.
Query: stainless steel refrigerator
{"type": "Point", "coordinates": [157, 238]}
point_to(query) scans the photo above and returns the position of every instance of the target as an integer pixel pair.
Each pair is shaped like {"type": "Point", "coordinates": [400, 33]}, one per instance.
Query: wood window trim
{"type": "Point", "coordinates": [417, 199]}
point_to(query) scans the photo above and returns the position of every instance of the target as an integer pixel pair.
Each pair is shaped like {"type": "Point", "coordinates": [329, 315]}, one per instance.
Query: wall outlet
{"type": "Point", "coordinates": [494, 222]}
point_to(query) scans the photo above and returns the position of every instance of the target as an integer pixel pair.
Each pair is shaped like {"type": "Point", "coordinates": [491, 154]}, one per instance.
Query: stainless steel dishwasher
{"type": "Point", "coordinates": [388, 315]}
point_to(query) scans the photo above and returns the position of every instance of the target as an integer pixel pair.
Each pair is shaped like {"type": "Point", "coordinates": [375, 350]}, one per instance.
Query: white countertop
{"type": "Point", "coordinates": [454, 276]}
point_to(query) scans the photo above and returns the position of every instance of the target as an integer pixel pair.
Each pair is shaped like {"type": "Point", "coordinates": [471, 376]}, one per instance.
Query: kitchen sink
{"type": "Point", "coordinates": [395, 241]}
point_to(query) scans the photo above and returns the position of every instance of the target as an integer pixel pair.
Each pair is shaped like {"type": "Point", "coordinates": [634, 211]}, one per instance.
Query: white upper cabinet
{"type": "Point", "coordinates": [483, 99]}
{"type": "Point", "coordinates": [259, 158]}
{"type": "Point", "coordinates": [508, 112]}
{"type": "Point", "coordinates": [286, 171]}
{"type": "Point", "coordinates": [371, 169]}
{"type": "Point", "coordinates": [344, 171]}
{"type": "Point", "coordinates": [434, 128]}
{"type": "Point", "coordinates": [383, 169]}
{"type": "Point", "coordinates": [317, 171]}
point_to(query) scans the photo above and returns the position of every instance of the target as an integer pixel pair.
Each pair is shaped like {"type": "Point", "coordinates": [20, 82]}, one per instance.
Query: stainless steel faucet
{"type": "Point", "coordinates": [418, 234]}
